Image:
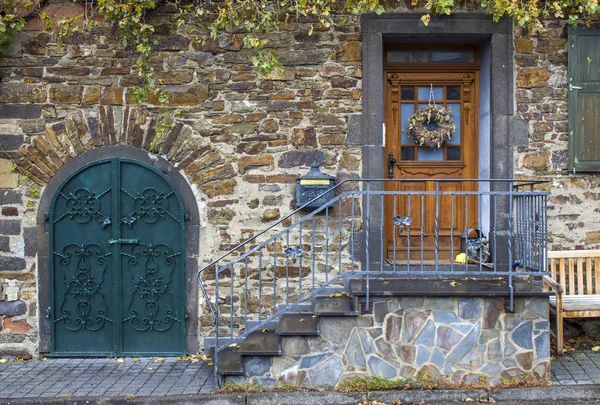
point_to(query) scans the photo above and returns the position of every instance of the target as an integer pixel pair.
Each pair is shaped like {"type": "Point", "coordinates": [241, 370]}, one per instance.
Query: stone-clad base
{"type": "Point", "coordinates": [460, 339]}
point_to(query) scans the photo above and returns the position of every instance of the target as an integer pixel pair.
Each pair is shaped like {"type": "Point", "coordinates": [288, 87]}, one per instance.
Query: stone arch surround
{"type": "Point", "coordinates": [74, 141]}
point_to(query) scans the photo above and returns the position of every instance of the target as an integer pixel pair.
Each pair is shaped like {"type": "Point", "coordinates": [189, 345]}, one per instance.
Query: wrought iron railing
{"type": "Point", "coordinates": [375, 227]}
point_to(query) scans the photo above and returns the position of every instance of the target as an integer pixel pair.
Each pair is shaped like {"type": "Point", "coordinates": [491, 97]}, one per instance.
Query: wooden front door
{"type": "Point", "coordinates": [438, 221]}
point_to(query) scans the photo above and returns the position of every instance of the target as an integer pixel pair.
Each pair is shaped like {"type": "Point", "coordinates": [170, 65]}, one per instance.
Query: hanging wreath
{"type": "Point", "coordinates": [431, 126]}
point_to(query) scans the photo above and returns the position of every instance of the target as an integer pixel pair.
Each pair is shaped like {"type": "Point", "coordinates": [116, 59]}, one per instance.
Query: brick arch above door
{"type": "Point", "coordinates": [84, 130]}
{"type": "Point", "coordinates": [192, 231]}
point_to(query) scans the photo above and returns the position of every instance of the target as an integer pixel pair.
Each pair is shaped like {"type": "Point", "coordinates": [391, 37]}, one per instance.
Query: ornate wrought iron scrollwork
{"type": "Point", "coordinates": [294, 252]}
{"type": "Point", "coordinates": [149, 206]}
{"type": "Point", "coordinates": [83, 205]}
{"type": "Point", "coordinates": [148, 308]}
{"type": "Point", "coordinates": [83, 306]}
{"type": "Point", "coordinates": [401, 222]}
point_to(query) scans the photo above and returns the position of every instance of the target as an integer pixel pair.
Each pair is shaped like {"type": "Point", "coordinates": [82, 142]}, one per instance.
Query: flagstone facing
{"type": "Point", "coordinates": [459, 342]}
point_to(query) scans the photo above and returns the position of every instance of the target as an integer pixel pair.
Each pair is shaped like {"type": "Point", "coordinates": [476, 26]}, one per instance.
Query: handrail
{"type": "Point", "coordinates": [516, 240]}
{"type": "Point", "coordinates": [273, 225]}
{"type": "Point", "coordinates": [524, 183]}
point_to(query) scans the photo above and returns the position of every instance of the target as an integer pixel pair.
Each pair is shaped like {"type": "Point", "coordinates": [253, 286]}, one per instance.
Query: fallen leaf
{"type": "Point", "coordinates": [425, 19]}
{"type": "Point", "coordinates": [2, 361]}
{"type": "Point", "coordinates": [454, 283]}
{"type": "Point", "coordinates": [595, 348]}
{"type": "Point", "coordinates": [158, 360]}
{"type": "Point", "coordinates": [120, 360]}
{"type": "Point", "coordinates": [135, 359]}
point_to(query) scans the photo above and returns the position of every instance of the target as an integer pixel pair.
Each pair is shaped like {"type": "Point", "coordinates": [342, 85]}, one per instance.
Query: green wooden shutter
{"type": "Point", "coordinates": [584, 100]}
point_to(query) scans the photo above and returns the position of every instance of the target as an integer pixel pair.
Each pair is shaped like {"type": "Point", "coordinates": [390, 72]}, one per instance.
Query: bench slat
{"type": "Point", "coordinates": [588, 274]}
{"type": "Point", "coordinates": [572, 290]}
{"type": "Point", "coordinates": [597, 273]}
{"type": "Point", "coordinates": [563, 280]}
{"type": "Point", "coordinates": [580, 276]}
{"type": "Point", "coordinates": [558, 254]}
{"type": "Point", "coordinates": [572, 304]}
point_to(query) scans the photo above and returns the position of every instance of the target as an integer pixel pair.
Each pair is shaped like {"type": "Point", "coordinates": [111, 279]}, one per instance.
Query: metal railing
{"type": "Point", "coordinates": [378, 227]}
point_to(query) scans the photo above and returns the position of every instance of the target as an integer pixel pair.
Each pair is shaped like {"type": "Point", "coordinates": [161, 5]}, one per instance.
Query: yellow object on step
{"type": "Point", "coordinates": [461, 258]}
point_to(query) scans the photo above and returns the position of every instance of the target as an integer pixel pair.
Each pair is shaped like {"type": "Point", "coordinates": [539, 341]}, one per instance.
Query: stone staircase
{"type": "Point", "coordinates": [266, 341]}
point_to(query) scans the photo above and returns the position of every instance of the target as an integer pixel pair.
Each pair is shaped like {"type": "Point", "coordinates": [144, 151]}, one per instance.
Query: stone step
{"type": "Point", "coordinates": [307, 307]}
{"type": "Point", "coordinates": [261, 343]}
{"type": "Point", "coordinates": [210, 343]}
{"type": "Point", "coordinates": [298, 324]}
{"type": "Point", "coordinates": [230, 362]}
{"type": "Point", "coordinates": [335, 305]}
{"type": "Point", "coordinates": [271, 325]}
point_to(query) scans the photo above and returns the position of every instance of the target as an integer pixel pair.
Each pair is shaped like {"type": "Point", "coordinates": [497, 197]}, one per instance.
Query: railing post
{"type": "Point", "coordinates": [437, 225]}
{"type": "Point", "coordinates": [511, 266]}
{"type": "Point", "coordinates": [381, 235]}
{"type": "Point", "coordinates": [216, 359]}
{"type": "Point", "coordinates": [353, 231]}
{"type": "Point", "coordinates": [368, 233]}
{"type": "Point", "coordinates": [395, 213]}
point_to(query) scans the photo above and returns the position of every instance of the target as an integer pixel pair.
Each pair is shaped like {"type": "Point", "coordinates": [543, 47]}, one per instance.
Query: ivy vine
{"type": "Point", "coordinates": [254, 18]}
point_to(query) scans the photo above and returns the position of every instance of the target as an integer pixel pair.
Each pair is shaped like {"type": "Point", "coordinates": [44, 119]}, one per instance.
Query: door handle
{"type": "Point", "coordinates": [123, 241]}
{"type": "Point", "coordinates": [391, 165]}
{"type": "Point", "coordinates": [571, 87]}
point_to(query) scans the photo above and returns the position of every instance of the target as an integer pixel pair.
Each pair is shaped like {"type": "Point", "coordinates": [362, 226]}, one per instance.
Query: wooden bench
{"type": "Point", "coordinates": [575, 277]}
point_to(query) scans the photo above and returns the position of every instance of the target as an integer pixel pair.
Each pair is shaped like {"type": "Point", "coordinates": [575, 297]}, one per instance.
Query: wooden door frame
{"type": "Point", "coordinates": [495, 38]}
{"type": "Point", "coordinates": [464, 74]}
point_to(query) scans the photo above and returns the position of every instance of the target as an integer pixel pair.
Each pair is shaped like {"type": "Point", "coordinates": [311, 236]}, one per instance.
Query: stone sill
{"type": "Point", "coordinates": [457, 286]}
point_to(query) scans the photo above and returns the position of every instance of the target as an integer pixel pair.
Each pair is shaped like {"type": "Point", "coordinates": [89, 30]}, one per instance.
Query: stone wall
{"type": "Point", "coordinates": [240, 138]}
{"type": "Point", "coordinates": [541, 99]}
{"type": "Point", "coordinates": [459, 339]}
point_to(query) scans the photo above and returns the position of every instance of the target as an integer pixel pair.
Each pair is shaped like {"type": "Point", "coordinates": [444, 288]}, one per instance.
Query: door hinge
{"type": "Point", "coordinates": [187, 314]}
{"type": "Point", "coordinates": [571, 87]}
{"type": "Point", "coordinates": [123, 241]}
{"type": "Point", "coordinates": [187, 216]}
{"type": "Point", "coordinates": [48, 313]}
{"type": "Point", "coordinates": [46, 220]}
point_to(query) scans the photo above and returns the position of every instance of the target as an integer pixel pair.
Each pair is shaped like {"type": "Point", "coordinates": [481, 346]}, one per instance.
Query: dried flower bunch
{"type": "Point", "coordinates": [431, 126]}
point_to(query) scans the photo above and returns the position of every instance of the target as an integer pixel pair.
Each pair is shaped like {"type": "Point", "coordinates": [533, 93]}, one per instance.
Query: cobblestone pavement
{"type": "Point", "coordinates": [576, 368]}
{"type": "Point", "coordinates": [104, 378]}
{"type": "Point", "coordinates": [109, 378]}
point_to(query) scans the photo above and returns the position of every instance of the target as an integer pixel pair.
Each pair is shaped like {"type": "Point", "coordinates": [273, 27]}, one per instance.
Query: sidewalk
{"type": "Point", "coordinates": [108, 378]}
{"type": "Point", "coordinates": [576, 368]}
{"type": "Point", "coordinates": [104, 378]}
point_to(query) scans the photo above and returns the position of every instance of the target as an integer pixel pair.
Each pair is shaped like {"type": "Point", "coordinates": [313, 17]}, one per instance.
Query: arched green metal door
{"type": "Point", "coordinates": [117, 235]}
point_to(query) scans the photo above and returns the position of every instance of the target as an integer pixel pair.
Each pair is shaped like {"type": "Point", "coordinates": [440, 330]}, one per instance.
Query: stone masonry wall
{"type": "Point", "coordinates": [541, 99]}
{"type": "Point", "coordinates": [459, 339]}
{"type": "Point", "coordinates": [240, 138]}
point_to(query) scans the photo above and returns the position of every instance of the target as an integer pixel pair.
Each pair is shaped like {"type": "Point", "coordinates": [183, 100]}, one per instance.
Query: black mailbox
{"type": "Point", "coordinates": [311, 185]}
